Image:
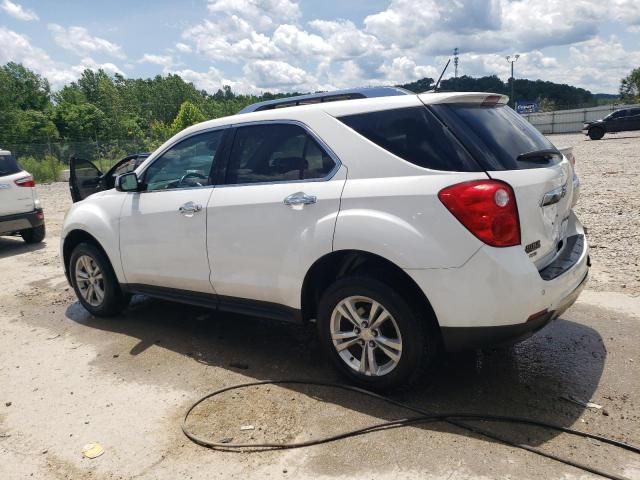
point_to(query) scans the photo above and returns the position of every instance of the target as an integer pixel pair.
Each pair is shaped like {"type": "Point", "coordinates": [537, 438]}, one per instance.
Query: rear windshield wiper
{"type": "Point", "coordinates": [539, 156]}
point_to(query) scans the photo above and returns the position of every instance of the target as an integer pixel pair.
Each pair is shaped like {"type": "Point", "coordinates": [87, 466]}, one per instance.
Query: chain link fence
{"type": "Point", "coordinates": [569, 121]}
{"type": "Point", "coordinates": [50, 161]}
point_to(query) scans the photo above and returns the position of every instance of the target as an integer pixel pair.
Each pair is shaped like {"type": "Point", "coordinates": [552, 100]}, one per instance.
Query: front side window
{"type": "Point", "coordinates": [276, 153]}
{"type": "Point", "coordinates": [617, 114]}
{"type": "Point", "coordinates": [187, 164]}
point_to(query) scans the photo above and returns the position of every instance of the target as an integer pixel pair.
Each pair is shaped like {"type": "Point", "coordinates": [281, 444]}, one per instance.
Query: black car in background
{"type": "Point", "coordinates": [623, 120]}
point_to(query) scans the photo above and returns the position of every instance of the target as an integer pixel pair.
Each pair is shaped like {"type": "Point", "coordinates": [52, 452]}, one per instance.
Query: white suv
{"type": "Point", "coordinates": [398, 224]}
{"type": "Point", "coordinates": [20, 210]}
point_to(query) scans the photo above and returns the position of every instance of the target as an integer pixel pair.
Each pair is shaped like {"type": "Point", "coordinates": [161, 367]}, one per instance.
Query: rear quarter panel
{"type": "Point", "coordinates": [403, 220]}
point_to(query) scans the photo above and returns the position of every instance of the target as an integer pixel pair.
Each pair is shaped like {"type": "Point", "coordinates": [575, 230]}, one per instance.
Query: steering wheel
{"type": "Point", "coordinates": [192, 175]}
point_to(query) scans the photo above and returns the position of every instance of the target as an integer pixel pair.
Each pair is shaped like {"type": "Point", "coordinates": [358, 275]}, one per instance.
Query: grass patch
{"type": "Point", "coordinates": [44, 170]}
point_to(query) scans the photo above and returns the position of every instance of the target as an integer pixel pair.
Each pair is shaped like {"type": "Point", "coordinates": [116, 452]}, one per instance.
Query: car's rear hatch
{"type": "Point", "coordinates": [510, 149]}
{"type": "Point", "coordinates": [13, 198]}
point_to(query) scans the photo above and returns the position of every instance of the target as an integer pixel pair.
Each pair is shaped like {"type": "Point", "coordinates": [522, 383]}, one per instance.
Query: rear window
{"type": "Point", "coordinates": [498, 137]}
{"type": "Point", "coordinates": [8, 165]}
{"type": "Point", "coordinates": [415, 135]}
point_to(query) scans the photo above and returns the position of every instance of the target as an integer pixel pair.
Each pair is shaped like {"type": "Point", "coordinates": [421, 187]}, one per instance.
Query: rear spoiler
{"type": "Point", "coordinates": [486, 99]}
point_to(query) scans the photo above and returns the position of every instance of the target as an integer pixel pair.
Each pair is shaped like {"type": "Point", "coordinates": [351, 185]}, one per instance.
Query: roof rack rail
{"type": "Point", "coordinates": [336, 95]}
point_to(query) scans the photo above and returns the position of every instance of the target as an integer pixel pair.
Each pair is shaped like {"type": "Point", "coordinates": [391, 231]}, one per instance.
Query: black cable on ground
{"type": "Point", "coordinates": [452, 418]}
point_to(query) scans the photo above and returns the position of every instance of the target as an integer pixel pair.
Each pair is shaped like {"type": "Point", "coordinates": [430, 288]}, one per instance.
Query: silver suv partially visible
{"type": "Point", "coordinates": [20, 209]}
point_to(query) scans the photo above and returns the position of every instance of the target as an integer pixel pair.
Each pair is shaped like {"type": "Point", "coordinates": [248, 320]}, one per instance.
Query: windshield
{"type": "Point", "coordinates": [498, 137]}
{"type": "Point", "coordinates": [8, 165]}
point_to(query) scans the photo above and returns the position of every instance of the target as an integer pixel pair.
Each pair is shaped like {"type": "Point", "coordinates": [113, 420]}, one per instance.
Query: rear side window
{"type": "Point", "coordinates": [415, 135]}
{"type": "Point", "coordinates": [276, 153]}
{"type": "Point", "coordinates": [498, 137]}
{"type": "Point", "coordinates": [8, 165]}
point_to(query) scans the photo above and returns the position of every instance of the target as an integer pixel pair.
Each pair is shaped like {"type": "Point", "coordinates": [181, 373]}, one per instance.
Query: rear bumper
{"type": "Point", "coordinates": [21, 221]}
{"type": "Point", "coordinates": [499, 295]}
{"type": "Point", "coordinates": [464, 338]}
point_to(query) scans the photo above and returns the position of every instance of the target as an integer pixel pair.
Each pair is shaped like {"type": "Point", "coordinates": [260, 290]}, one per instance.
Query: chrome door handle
{"type": "Point", "coordinates": [190, 208]}
{"type": "Point", "coordinates": [300, 198]}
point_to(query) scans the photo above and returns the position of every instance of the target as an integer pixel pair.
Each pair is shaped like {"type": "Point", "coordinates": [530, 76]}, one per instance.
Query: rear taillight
{"type": "Point", "coordinates": [25, 182]}
{"type": "Point", "coordinates": [487, 208]}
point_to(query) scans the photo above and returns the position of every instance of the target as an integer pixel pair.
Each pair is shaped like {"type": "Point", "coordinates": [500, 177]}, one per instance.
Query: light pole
{"type": "Point", "coordinates": [512, 59]}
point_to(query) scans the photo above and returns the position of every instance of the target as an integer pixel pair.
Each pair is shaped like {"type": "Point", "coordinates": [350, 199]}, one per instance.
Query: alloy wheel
{"type": "Point", "coordinates": [89, 280]}
{"type": "Point", "coordinates": [366, 336]}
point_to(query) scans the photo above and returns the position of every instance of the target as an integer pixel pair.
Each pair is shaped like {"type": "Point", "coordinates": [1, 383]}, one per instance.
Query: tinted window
{"type": "Point", "coordinates": [8, 165]}
{"type": "Point", "coordinates": [129, 166]}
{"type": "Point", "coordinates": [185, 165]}
{"type": "Point", "coordinates": [617, 114]}
{"type": "Point", "coordinates": [276, 153]}
{"type": "Point", "coordinates": [497, 136]}
{"type": "Point", "coordinates": [416, 135]}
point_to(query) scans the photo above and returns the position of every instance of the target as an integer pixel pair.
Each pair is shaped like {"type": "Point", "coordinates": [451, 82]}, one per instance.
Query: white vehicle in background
{"type": "Point", "coordinates": [20, 210]}
{"type": "Point", "coordinates": [399, 224]}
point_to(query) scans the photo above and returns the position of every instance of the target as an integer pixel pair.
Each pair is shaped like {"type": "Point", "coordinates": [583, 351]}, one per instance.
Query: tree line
{"type": "Point", "coordinates": [110, 115]}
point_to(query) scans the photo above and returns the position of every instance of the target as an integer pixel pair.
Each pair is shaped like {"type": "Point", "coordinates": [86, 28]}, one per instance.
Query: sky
{"type": "Point", "coordinates": [289, 45]}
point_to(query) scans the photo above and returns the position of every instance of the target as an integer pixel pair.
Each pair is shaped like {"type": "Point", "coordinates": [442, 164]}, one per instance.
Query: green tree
{"type": "Point", "coordinates": [188, 115]}
{"type": "Point", "coordinates": [80, 122]}
{"type": "Point", "coordinates": [22, 89]}
{"type": "Point", "coordinates": [630, 86]}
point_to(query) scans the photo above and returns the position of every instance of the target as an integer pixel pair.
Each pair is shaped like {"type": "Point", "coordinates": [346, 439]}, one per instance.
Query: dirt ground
{"type": "Point", "coordinates": [68, 379]}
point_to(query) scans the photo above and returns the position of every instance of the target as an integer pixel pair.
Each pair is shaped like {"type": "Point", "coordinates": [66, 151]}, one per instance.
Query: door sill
{"type": "Point", "coordinates": [242, 306]}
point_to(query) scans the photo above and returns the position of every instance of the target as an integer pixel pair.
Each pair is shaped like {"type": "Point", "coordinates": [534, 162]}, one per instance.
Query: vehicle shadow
{"type": "Point", "coordinates": [525, 380]}
{"type": "Point", "coordinates": [10, 246]}
{"type": "Point", "coordinates": [618, 137]}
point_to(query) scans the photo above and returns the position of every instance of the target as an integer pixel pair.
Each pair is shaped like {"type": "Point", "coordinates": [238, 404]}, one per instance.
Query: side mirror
{"type": "Point", "coordinates": [127, 182]}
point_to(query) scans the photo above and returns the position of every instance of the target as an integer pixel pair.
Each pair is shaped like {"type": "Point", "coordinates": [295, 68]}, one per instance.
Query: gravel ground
{"type": "Point", "coordinates": [67, 379]}
{"type": "Point", "coordinates": [610, 207]}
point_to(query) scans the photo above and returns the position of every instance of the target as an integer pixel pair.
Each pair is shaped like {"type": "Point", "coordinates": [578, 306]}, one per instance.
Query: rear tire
{"type": "Point", "coordinates": [397, 350]}
{"type": "Point", "coordinates": [95, 282]}
{"type": "Point", "coordinates": [33, 235]}
{"type": "Point", "coordinates": [596, 133]}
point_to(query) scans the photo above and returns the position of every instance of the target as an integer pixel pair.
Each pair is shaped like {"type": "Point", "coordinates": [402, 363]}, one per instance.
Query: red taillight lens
{"type": "Point", "coordinates": [26, 182]}
{"type": "Point", "coordinates": [487, 208]}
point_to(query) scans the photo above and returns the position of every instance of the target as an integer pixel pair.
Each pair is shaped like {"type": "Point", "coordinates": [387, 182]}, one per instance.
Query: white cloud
{"type": "Point", "coordinates": [81, 42]}
{"type": "Point", "coordinates": [212, 80]}
{"type": "Point", "coordinates": [599, 64]}
{"type": "Point", "coordinates": [262, 14]}
{"type": "Point", "coordinates": [18, 48]}
{"type": "Point", "coordinates": [293, 41]}
{"type": "Point", "coordinates": [183, 47]}
{"type": "Point", "coordinates": [404, 69]}
{"type": "Point", "coordinates": [18, 11]}
{"type": "Point", "coordinates": [163, 60]}
{"type": "Point", "coordinates": [271, 73]}
{"type": "Point", "coordinates": [267, 46]}
{"type": "Point", "coordinates": [232, 40]}
{"type": "Point", "coordinates": [90, 63]}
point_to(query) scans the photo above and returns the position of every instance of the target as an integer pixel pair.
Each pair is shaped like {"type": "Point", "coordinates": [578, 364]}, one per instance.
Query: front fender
{"type": "Point", "coordinates": [99, 216]}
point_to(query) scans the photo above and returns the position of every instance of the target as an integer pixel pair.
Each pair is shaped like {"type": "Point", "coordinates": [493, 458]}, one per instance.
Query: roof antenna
{"type": "Point", "coordinates": [435, 89]}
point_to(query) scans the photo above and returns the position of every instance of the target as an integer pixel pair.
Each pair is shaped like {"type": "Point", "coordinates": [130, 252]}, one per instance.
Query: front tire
{"type": "Point", "coordinates": [95, 282]}
{"type": "Point", "coordinates": [373, 335]}
{"type": "Point", "coordinates": [596, 133]}
{"type": "Point", "coordinates": [33, 235]}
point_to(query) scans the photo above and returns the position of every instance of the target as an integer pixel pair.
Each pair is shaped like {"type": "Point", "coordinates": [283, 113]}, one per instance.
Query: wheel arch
{"type": "Point", "coordinates": [332, 266]}
{"type": "Point", "coordinates": [72, 240]}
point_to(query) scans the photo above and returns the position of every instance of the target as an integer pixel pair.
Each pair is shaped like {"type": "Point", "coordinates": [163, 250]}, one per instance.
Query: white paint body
{"type": "Point", "coordinates": [247, 243]}
{"type": "Point", "coordinates": [15, 199]}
